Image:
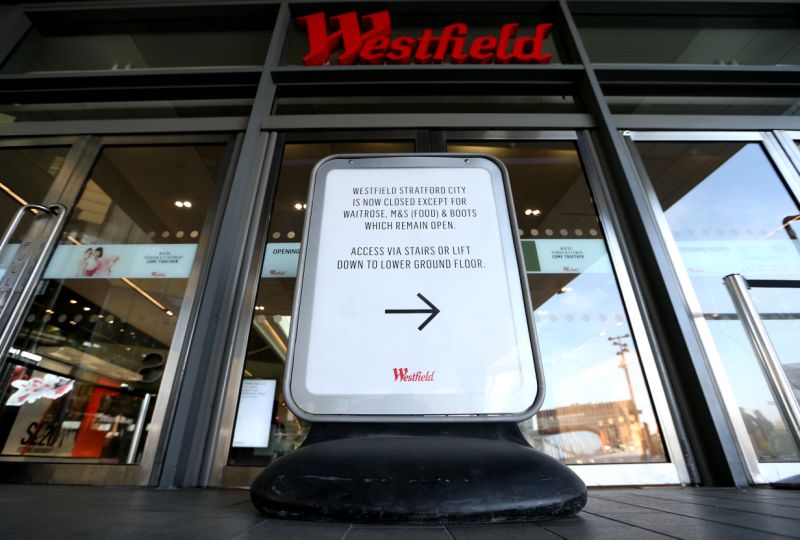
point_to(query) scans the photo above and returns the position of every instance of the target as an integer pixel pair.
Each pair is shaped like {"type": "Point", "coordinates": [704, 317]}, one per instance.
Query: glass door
{"type": "Point", "coordinates": [91, 357]}
{"type": "Point", "coordinates": [726, 203]}
{"type": "Point", "coordinates": [604, 413]}
{"type": "Point", "coordinates": [257, 425]}
{"type": "Point", "coordinates": [614, 433]}
{"type": "Point", "coordinates": [33, 177]}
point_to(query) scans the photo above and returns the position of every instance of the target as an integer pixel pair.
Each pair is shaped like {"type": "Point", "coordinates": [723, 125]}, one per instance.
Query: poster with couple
{"type": "Point", "coordinates": [95, 262]}
{"type": "Point", "coordinates": [116, 261]}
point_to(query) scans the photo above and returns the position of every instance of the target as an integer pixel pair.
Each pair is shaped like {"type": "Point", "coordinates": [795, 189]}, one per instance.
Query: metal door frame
{"type": "Point", "coordinates": [758, 472]}
{"type": "Point", "coordinates": [146, 472]}
{"type": "Point", "coordinates": [673, 471]}
{"type": "Point", "coordinates": [789, 141]}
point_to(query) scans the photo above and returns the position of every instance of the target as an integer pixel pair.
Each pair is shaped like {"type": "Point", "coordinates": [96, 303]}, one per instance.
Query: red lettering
{"type": "Point", "coordinates": [375, 45]}
{"type": "Point", "coordinates": [321, 44]}
{"type": "Point", "coordinates": [482, 49]}
{"type": "Point", "coordinates": [373, 50]}
{"type": "Point", "coordinates": [423, 56]}
{"type": "Point", "coordinates": [507, 32]}
{"type": "Point", "coordinates": [454, 34]}
{"type": "Point", "coordinates": [522, 56]}
{"type": "Point", "coordinates": [401, 50]}
{"type": "Point", "coordinates": [400, 374]}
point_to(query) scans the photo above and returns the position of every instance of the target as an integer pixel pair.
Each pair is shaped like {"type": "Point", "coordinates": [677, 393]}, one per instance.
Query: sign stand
{"type": "Point", "coordinates": [413, 352]}
{"type": "Point", "coordinates": [418, 473]}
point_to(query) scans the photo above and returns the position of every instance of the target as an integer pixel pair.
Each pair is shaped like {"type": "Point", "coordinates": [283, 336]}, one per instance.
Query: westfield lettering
{"type": "Point", "coordinates": [402, 375]}
{"type": "Point", "coordinates": [373, 44]}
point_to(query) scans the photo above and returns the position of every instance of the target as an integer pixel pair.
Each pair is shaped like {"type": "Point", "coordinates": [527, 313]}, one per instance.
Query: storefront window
{"type": "Point", "coordinates": [58, 43]}
{"type": "Point", "coordinates": [709, 40]}
{"type": "Point", "coordinates": [597, 407]}
{"type": "Point", "coordinates": [729, 212]}
{"type": "Point", "coordinates": [269, 332]}
{"type": "Point", "coordinates": [81, 378]}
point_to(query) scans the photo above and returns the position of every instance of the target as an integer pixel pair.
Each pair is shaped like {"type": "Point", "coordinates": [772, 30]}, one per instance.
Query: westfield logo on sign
{"type": "Point", "coordinates": [369, 40]}
{"type": "Point", "coordinates": [402, 375]}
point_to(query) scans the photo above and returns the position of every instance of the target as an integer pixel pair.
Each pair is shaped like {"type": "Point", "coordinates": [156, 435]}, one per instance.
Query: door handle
{"type": "Point", "coordinates": [19, 305]}
{"type": "Point", "coordinates": [19, 214]}
{"type": "Point", "coordinates": [9, 282]}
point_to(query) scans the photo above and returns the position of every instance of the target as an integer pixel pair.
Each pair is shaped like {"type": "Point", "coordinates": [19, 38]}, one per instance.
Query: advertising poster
{"type": "Point", "coordinates": [110, 261]}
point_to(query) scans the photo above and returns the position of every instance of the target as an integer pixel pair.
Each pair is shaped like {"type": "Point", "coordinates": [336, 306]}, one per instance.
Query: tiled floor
{"type": "Point", "coordinates": [62, 512]}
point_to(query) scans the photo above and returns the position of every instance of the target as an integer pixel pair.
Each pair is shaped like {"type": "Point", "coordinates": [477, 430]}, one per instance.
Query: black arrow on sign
{"type": "Point", "coordinates": [434, 311]}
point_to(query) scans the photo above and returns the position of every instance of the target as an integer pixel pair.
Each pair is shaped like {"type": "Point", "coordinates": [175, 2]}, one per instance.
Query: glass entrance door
{"type": "Point", "coordinates": [88, 367]}
{"type": "Point", "coordinates": [615, 432]}
{"type": "Point", "coordinates": [727, 204]}
{"type": "Point", "coordinates": [604, 413]}
{"type": "Point", "coordinates": [258, 426]}
{"type": "Point", "coordinates": [33, 176]}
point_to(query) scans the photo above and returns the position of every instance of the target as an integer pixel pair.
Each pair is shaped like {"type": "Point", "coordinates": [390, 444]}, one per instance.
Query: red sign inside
{"type": "Point", "coordinates": [368, 40]}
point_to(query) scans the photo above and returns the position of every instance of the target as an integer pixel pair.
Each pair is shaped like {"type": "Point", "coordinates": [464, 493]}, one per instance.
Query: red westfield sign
{"type": "Point", "coordinates": [369, 41]}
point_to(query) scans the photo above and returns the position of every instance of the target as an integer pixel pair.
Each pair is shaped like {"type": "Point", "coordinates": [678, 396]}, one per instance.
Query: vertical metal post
{"type": "Point", "coordinates": [189, 451]}
{"type": "Point", "coordinates": [765, 352]}
{"type": "Point", "coordinates": [708, 433]}
{"type": "Point", "coordinates": [137, 434]}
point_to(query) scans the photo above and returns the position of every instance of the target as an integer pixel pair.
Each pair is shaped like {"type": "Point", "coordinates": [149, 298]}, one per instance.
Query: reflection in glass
{"type": "Point", "coordinates": [55, 48]}
{"type": "Point", "coordinates": [691, 39]}
{"type": "Point", "coordinates": [83, 373]}
{"type": "Point", "coordinates": [597, 407]}
{"type": "Point", "coordinates": [779, 309]}
{"type": "Point", "coordinates": [269, 331]}
{"type": "Point", "coordinates": [729, 212]}
{"type": "Point", "coordinates": [26, 176]}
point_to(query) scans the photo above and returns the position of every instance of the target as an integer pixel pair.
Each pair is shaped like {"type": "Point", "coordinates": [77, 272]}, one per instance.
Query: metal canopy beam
{"type": "Point", "coordinates": [129, 85]}
{"type": "Point", "coordinates": [439, 121]}
{"type": "Point", "coordinates": [557, 73]}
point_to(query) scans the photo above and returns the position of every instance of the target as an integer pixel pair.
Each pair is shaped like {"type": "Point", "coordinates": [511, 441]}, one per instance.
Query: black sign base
{"type": "Point", "coordinates": [418, 473]}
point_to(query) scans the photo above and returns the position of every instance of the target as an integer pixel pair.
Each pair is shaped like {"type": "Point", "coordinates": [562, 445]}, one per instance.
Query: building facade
{"type": "Point", "coordinates": [154, 168]}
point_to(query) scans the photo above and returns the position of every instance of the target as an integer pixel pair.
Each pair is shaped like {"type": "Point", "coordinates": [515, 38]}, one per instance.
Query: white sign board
{"type": "Point", "coordinates": [412, 297]}
{"type": "Point", "coordinates": [254, 417]}
{"type": "Point", "coordinates": [281, 260]}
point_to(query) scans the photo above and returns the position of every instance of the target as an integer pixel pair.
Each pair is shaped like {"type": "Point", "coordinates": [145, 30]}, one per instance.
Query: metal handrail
{"type": "Point", "coordinates": [738, 287]}
{"type": "Point", "coordinates": [773, 283]}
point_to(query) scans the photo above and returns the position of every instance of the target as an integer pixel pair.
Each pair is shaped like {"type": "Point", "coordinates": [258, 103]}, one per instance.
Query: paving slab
{"type": "Point", "coordinates": [110, 513]}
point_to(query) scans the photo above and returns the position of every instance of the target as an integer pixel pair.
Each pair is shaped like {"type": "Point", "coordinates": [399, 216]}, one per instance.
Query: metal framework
{"type": "Point", "coordinates": [199, 419]}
